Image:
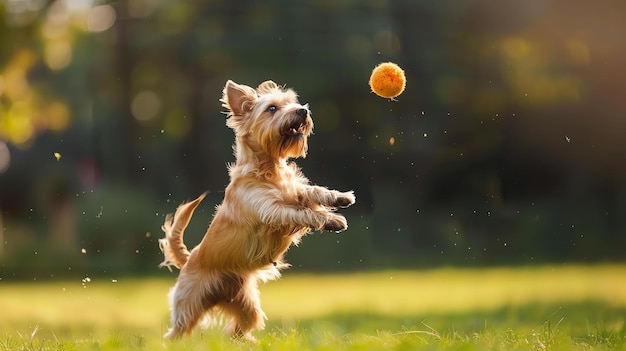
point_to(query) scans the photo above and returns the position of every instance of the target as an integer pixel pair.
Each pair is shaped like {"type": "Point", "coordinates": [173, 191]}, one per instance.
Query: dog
{"type": "Point", "coordinates": [268, 206]}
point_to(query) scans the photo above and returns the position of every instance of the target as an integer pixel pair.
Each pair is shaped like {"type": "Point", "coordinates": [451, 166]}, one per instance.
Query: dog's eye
{"type": "Point", "coordinates": [272, 108]}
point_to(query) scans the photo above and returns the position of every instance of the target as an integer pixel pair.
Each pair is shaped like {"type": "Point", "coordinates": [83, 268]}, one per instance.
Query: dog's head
{"type": "Point", "coordinates": [269, 119]}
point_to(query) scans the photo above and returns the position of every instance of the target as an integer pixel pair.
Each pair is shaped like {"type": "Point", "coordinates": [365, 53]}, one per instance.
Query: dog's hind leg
{"type": "Point", "coordinates": [244, 311]}
{"type": "Point", "coordinates": [189, 303]}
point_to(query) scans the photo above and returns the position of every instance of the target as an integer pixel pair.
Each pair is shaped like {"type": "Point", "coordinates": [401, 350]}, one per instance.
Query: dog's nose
{"type": "Point", "coordinates": [302, 112]}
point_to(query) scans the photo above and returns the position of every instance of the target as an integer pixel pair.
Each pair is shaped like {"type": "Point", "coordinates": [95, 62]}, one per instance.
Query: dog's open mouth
{"type": "Point", "coordinates": [297, 128]}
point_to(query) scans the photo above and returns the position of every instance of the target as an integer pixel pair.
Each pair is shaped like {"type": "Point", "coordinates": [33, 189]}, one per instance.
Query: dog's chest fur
{"type": "Point", "coordinates": [238, 234]}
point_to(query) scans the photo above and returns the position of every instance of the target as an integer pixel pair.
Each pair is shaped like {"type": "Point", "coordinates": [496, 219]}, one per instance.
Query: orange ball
{"type": "Point", "coordinates": [387, 80]}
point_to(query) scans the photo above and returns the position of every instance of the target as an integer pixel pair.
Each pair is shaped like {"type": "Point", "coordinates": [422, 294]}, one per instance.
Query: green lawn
{"type": "Point", "coordinates": [539, 308]}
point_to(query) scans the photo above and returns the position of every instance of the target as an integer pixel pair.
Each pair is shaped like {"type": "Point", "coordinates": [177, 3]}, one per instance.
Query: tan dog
{"type": "Point", "coordinates": [268, 206]}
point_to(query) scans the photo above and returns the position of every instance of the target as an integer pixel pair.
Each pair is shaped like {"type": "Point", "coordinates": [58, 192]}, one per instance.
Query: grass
{"type": "Point", "coordinates": [532, 308]}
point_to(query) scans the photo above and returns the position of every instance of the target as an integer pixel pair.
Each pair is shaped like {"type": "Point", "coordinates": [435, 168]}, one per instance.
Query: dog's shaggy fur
{"type": "Point", "coordinates": [268, 206]}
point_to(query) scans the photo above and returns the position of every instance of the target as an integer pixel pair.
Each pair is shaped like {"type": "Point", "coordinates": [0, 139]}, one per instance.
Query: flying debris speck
{"type": "Point", "coordinates": [83, 251]}
{"type": "Point", "coordinates": [57, 156]}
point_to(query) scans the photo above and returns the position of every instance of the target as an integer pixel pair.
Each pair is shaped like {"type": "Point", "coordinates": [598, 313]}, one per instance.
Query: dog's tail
{"type": "Point", "coordinates": [172, 246]}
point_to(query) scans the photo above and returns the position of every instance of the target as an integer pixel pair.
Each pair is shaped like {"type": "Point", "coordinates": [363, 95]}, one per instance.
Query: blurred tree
{"type": "Point", "coordinates": [505, 147]}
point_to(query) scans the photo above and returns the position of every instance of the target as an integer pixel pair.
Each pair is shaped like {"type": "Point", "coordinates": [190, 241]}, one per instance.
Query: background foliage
{"type": "Point", "coordinates": [506, 147]}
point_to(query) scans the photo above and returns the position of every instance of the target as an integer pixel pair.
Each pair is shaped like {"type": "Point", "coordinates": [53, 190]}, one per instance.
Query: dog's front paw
{"type": "Point", "coordinates": [336, 223]}
{"type": "Point", "coordinates": [345, 199]}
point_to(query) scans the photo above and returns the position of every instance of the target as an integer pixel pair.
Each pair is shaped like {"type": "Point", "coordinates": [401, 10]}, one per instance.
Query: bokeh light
{"type": "Point", "coordinates": [58, 54]}
{"type": "Point", "coordinates": [101, 18]}
{"type": "Point", "coordinates": [145, 105]}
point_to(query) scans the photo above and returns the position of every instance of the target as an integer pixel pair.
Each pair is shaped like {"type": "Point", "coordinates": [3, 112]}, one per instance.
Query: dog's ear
{"type": "Point", "coordinates": [266, 87]}
{"type": "Point", "coordinates": [238, 98]}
